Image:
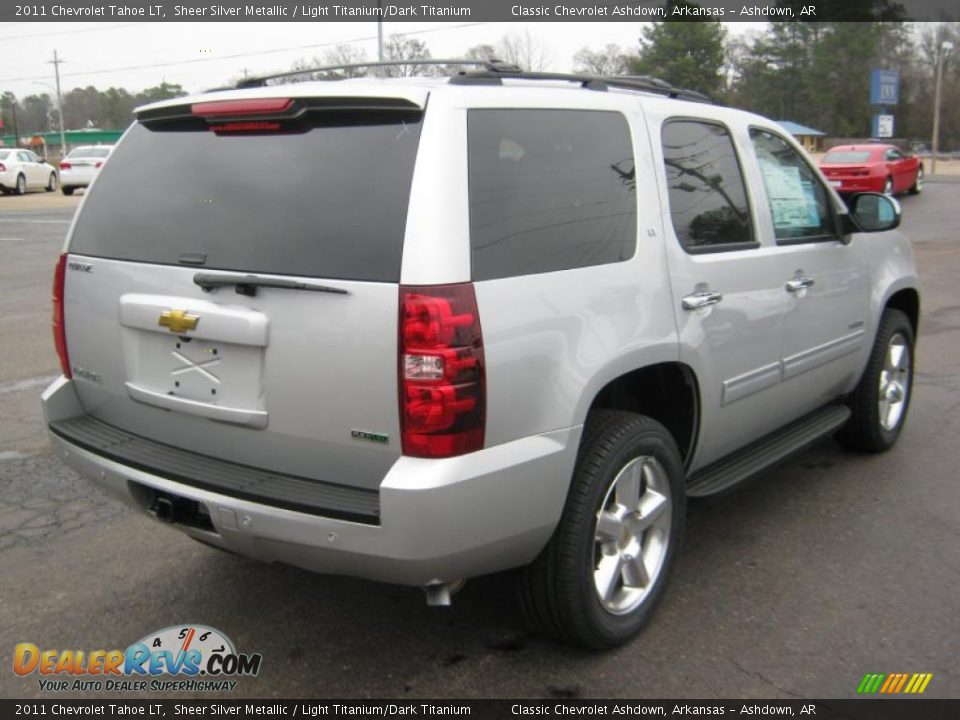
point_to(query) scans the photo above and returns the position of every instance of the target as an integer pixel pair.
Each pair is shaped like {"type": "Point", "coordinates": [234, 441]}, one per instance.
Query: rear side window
{"type": "Point", "coordinates": [326, 200]}
{"type": "Point", "coordinates": [549, 190]}
{"type": "Point", "coordinates": [708, 201]}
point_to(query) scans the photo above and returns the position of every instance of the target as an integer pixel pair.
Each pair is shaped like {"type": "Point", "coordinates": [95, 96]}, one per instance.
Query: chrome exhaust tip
{"type": "Point", "coordinates": [439, 593]}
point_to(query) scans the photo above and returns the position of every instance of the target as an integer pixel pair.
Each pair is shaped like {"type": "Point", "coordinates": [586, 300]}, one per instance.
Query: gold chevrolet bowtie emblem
{"type": "Point", "coordinates": [178, 321]}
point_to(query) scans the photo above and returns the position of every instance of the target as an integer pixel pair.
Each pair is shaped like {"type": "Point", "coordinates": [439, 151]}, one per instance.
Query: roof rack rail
{"type": "Point", "coordinates": [590, 82]}
{"type": "Point", "coordinates": [494, 66]}
{"type": "Point", "coordinates": [493, 72]}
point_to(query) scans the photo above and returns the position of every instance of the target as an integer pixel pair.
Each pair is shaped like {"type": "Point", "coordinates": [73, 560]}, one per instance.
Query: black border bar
{"type": "Point", "coordinates": [865, 709]}
{"type": "Point", "coordinates": [459, 11]}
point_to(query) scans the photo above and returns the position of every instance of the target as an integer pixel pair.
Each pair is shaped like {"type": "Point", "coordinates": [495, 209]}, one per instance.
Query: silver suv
{"type": "Point", "coordinates": [422, 330]}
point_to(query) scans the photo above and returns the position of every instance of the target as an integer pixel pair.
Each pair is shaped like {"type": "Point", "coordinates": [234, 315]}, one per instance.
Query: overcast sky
{"type": "Point", "coordinates": [204, 55]}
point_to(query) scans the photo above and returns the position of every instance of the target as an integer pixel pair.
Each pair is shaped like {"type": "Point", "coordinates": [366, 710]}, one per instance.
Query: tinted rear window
{"type": "Point", "coordinates": [846, 157]}
{"type": "Point", "coordinates": [708, 199]}
{"type": "Point", "coordinates": [328, 201]}
{"type": "Point", "coordinates": [89, 152]}
{"type": "Point", "coordinates": [549, 190]}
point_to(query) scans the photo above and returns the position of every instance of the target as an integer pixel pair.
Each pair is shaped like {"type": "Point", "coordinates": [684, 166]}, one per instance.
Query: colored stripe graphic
{"type": "Point", "coordinates": [900, 684]}
{"type": "Point", "coordinates": [894, 683]}
{"type": "Point", "coordinates": [871, 682]}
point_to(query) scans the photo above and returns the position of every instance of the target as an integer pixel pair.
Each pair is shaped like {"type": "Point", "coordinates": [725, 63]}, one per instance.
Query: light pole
{"type": "Point", "coordinates": [945, 47]}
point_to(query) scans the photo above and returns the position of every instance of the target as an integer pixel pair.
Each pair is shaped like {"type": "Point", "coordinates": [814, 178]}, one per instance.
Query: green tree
{"type": "Point", "coordinates": [163, 91]}
{"type": "Point", "coordinates": [34, 114]}
{"type": "Point", "coordinates": [685, 54]}
{"type": "Point", "coordinates": [818, 74]}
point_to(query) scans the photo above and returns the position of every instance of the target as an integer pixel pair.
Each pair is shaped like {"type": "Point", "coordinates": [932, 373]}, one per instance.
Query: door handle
{"type": "Point", "coordinates": [799, 283]}
{"type": "Point", "coordinates": [701, 299]}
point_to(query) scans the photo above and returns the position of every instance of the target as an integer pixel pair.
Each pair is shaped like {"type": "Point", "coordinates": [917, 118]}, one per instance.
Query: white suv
{"type": "Point", "coordinates": [464, 325]}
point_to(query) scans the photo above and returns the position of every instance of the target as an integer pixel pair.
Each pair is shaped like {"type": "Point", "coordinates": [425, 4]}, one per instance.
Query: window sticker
{"type": "Point", "coordinates": [790, 201]}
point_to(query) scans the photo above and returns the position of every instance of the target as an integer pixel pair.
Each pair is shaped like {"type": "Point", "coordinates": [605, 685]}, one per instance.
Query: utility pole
{"type": "Point", "coordinates": [63, 137]}
{"type": "Point", "coordinates": [379, 35]}
{"type": "Point", "coordinates": [942, 50]}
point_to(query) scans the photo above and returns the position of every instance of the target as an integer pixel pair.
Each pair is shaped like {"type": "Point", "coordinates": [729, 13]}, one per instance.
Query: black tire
{"type": "Point", "coordinates": [21, 187]}
{"type": "Point", "coordinates": [52, 182]}
{"type": "Point", "coordinates": [917, 186]}
{"type": "Point", "coordinates": [67, 190]}
{"type": "Point", "coordinates": [866, 430]}
{"type": "Point", "coordinates": [558, 594]}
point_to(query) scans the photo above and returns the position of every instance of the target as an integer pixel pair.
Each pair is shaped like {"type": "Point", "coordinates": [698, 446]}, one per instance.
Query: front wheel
{"type": "Point", "coordinates": [601, 575]}
{"type": "Point", "coordinates": [21, 187]}
{"type": "Point", "coordinates": [917, 186]}
{"type": "Point", "coordinates": [882, 398]}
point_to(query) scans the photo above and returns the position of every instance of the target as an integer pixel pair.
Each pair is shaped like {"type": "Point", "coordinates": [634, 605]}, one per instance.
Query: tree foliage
{"type": "Point", "coordinates": [818, 74]}
{"type": "Point", "coordinates": [110, 109]}
{"type": "Point", "coordinates": [610, 60]}
{"type": "Point", "coordinates": [686, 54]}
{"type": "Point", "coordinates": [404, 50]}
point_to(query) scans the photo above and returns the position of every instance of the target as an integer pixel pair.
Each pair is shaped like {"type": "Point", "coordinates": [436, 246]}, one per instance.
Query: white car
{"type": "Point", "coordinates": [22, 170]}
{"type": "Point", "coordinates": [81, 166]}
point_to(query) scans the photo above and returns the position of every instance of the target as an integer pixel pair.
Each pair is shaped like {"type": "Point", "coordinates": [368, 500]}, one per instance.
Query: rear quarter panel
{"type": "Point", "coordinates": [551, 340]}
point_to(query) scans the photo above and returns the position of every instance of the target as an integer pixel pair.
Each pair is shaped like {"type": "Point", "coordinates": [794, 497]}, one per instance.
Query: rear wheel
{"type": "Point", "coordinates": [882, 397]}
{"type": "Point", "coordinates": [598, 580]}
{"type": "Point", "coordinates": [52, 182]}
{"type": "Point", "coordinates": [917, 186]}
{"type": "Point", "coordinates": [888, 187]}
{"type": "Point", "coordinates": [67, 190]}
{"type": "Point", "coordinates": [21, 187]}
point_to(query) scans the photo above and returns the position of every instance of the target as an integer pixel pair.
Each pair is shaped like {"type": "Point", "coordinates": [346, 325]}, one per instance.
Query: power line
{"type": "Point", "coordinates": [238, 55]}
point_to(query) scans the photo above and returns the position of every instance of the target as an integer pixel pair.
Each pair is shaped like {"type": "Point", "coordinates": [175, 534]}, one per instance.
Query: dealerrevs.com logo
{"type": "Point", "coordinates": [189, 658]}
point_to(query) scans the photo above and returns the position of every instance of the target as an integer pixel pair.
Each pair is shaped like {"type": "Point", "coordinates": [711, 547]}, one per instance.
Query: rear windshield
{"type": "Point", "coordinates": [327, 201]}
{"type": "Point", "coordinates": [846, 157]}
{"type": "Point", "coordinates": [89, 152]}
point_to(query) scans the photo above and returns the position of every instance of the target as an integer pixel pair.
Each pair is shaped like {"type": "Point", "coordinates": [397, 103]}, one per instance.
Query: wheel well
{"type": "Point", "coordinates": [908, 302]}
{"type": "Point", "coordinates": [666, 392]}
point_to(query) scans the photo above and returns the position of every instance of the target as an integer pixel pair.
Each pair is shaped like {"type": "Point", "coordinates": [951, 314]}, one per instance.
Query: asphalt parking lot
{"type": "Point", "coordinates": [829, 567]}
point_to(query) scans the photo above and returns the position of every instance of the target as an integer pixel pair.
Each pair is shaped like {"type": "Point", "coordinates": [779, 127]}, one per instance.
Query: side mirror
{"type": "Point", "coordinates": [874, 212]}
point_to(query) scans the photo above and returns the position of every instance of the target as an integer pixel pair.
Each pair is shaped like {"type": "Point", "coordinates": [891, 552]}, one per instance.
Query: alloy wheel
{"type": "Point", "coordinates": [632, 535]}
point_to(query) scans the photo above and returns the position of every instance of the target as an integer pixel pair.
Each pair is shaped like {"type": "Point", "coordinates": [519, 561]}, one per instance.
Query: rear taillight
{"type": "Point", "coordinates": [441, 371]}
{"type": "Point", "coordinates": [3, 168]}
{"type": "Point", "coordinates": [99, 163]}
{"type": "Point", "coordinates": [65, 166]}
{"type": "Point", "coordinates": [59, 327]}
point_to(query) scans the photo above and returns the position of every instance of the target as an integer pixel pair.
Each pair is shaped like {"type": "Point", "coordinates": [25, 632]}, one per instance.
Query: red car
{"type": "Point", "coordinates": [872, 168]}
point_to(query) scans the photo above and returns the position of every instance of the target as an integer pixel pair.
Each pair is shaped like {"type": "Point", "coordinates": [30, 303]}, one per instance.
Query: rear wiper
{"type": "Point", "coordinates": [248, 284]}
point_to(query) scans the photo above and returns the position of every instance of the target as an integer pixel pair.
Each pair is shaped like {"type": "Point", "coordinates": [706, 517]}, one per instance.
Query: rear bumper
{"type": "Point", "coordinates": [76, 178]}
{"type": "Point", "coordinates": [440, 520]}
{"type": "Point", "coordinates": [848, 186]}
